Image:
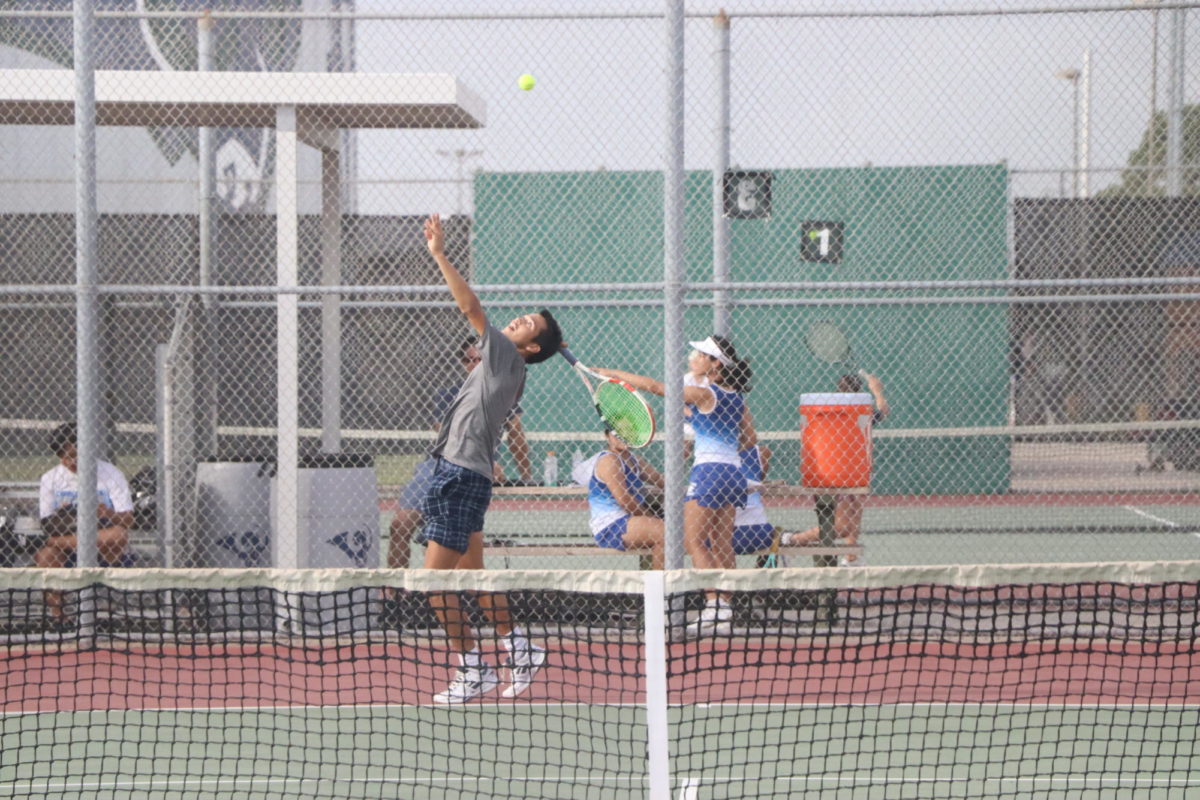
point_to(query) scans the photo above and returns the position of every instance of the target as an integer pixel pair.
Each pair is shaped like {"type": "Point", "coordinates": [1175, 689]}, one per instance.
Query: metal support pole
{"type": "Point", "coordinates": [207, 335]}
{"type": "Point", "coordinates": [673, 286]}
{"type": "Point", "coordinates": [87, 349]}
{"type": "Point", "coordinates": [1152, 148]}
{"type": "Point", "coordinates": [285, 544]}
{"type": "Point", "coordinates": [1085, 121]}
{"type": "Point", "coordinates": [1075, 136]}
{"type": "Point", "coordinates": [1175, 90]}
{"type": "Point", "coordinates": [331, 304]}
{"type": "Point", "coordinates": [721, 321]}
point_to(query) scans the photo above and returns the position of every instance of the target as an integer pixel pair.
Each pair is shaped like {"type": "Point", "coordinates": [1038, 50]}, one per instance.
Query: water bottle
{"type": "Point", "coordinates": [550, 469]}
{"type": "Point", "coordinates": [576, 459]}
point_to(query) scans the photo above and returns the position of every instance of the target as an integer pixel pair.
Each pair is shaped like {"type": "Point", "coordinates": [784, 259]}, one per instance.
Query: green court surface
{"type": "Point", "coordinates": [918, 532]}
{"type": "Point", "coordinates": [579, 751]}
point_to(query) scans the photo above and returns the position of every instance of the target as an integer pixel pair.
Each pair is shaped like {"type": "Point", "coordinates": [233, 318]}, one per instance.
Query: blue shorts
{"type": "Point", "coordinates": [614, 535]}
{"type": "Point", "coordinates": [413, 492]}
{"type": "Point", "coordinates": [455, 504]}
{"type": "Point", "coordinates": [752, 538]}
{"type": "Point", "coordinates": [716, 485]}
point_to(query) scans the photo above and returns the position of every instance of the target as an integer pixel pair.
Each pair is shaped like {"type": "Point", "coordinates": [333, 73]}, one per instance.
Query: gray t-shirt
{"type": "Point", "coordinates": [474, 423]}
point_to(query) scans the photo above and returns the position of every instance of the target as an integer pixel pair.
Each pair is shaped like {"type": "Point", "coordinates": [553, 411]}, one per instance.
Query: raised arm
{"type": "Point", "coordinates": [634, 380]}
{"type": "Point", "coordinates": [464, 295]}
{"type": "Point", "coordinates": [699, 396]}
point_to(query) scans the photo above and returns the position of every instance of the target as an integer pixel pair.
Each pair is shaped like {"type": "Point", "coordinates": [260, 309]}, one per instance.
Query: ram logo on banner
{"type": "Point", "coordinates": [243, 157]}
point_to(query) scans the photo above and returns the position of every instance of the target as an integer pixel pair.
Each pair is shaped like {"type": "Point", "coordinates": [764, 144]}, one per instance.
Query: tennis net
{"type": "Point", "coordinates": [1060, 681]}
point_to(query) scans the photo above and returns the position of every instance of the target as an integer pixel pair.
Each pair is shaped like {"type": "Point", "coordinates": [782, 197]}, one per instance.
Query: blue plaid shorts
{"type": "Point", "coordinates": [455, 504]}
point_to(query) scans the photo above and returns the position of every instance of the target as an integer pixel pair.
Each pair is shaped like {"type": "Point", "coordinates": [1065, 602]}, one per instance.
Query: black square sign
{"type": "Point", "coordinates": [822, 241]}
{"type": "Point", "coordinates": [747, 194]}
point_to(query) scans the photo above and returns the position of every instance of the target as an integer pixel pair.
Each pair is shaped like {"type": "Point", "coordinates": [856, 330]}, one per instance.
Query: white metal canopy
{"type": "Point", "coordinates": [308, 107]}
{"type": "Point", "coordinates": [328, 100]}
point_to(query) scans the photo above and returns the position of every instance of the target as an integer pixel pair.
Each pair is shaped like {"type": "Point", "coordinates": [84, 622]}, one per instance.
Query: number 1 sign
{"type": "Point", "coordinates": [822, 241]}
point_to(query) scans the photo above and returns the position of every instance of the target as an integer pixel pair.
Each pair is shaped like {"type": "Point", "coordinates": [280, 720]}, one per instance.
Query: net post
{"type": "Point", "coordinates": [657, 733]}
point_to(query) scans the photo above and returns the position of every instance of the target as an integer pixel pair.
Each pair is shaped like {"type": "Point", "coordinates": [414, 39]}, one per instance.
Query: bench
{"type": "Point", "coordinates": [824, 553]}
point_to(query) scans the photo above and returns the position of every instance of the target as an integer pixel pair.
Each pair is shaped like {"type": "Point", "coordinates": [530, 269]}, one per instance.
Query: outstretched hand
{"type": "Point", "coordinates": [435, 237]}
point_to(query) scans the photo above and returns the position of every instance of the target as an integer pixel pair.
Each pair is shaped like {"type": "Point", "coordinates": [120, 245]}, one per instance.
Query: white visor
{"type": "Point", "coordinates": [711, 348]}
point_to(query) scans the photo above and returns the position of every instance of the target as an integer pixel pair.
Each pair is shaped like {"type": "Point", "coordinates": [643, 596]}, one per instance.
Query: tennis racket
{"type": "Point", "coordinates": [829, 343]}
{"type": "Point", "coordinates": [618, 404]}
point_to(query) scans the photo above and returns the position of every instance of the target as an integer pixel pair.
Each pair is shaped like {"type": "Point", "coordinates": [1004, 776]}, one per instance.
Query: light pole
{"type": "Point", "coordinates": [1152, 143]}
{"type": "Point", "coordinates": [460, 155]}
{"type": "Point", "coordinates": [1071, 74]}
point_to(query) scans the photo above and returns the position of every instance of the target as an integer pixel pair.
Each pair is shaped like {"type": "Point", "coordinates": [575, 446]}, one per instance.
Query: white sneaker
{"type": "Point", "coordinates": [522, 666]}
{"type": "Point", "coordinates": [468, 683]}
{"type": "Point", "coordinates": [713, 619]}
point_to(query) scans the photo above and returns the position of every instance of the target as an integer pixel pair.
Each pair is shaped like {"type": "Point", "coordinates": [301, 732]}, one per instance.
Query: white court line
{"type": "Point", "coordinates": [689, 788]}
{"type": "Point", "coordinates": [1156, 518]}
{"type": "Point", "coordinates": [1148, 515]}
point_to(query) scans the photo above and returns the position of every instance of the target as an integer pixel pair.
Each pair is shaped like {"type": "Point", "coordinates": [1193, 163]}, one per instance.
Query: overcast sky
{"type": "Point", "coordinates": [806, 91]}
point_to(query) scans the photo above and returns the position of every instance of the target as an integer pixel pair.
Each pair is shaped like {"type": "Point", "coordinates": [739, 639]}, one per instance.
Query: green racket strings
{"type": "Point", "coordinates": [624, 413]}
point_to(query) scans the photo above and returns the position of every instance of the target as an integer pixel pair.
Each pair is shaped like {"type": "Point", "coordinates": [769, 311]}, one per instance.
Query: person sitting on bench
{"type": "Point", "coordinates": [58, 502]}
{"type": "Point", "coordinates": [623, 516]}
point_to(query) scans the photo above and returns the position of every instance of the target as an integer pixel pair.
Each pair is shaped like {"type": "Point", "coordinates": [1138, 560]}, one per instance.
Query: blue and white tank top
{"type": "Point", "coordinates": [754, 513]}
{"type": "Point", "coordinates": [604, 508]}
{"type": "Point", "coordinates": [717, 431]}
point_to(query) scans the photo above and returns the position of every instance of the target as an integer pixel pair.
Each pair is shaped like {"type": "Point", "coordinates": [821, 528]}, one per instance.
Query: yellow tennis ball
{"type": "Point", "coordinates": [526, 82]}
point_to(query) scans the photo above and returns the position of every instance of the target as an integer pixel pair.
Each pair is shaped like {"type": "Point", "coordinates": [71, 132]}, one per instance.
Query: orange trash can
{"type": "Point", "coordinates": [835, 439]}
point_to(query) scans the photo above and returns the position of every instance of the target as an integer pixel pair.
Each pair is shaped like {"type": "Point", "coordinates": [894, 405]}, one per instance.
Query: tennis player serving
{"type": "Point", "coordinates": [461, 487]}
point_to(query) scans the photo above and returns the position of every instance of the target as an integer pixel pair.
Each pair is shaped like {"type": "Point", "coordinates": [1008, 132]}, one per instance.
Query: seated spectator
{"type": "Point", "coordinates": [848, 508]}
{"type": "Point", "coordinates": [751, 530]}
{"type": "Point", "coordinates": [57, 508]}
{"type": "Point", "coordinates": [620, 485]}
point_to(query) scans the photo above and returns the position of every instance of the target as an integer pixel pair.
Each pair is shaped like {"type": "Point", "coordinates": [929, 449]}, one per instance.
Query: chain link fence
{"type": "Point", "coordinates": [996, 208]}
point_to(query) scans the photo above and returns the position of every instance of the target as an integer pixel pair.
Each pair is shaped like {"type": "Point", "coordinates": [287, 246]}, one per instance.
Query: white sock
{"type": "Point", "coordinates": [516, 640]}
{"type": "Point", "coordinates": [473, 659]}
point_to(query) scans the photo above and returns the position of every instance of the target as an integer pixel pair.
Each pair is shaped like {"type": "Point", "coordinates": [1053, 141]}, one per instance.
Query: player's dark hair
{"type": "Point", "coordinates": [61, 437]}
{"type": "Point", "coordinates": [850, 383]}
{"type": "Point", "coordinates": [737, 374]}
{"type": "Point", "coordinates": [548, 340]}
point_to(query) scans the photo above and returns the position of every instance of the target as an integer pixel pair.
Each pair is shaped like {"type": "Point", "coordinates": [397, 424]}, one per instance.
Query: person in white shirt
{"type": "Point", "coordinates": [58, 501]}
